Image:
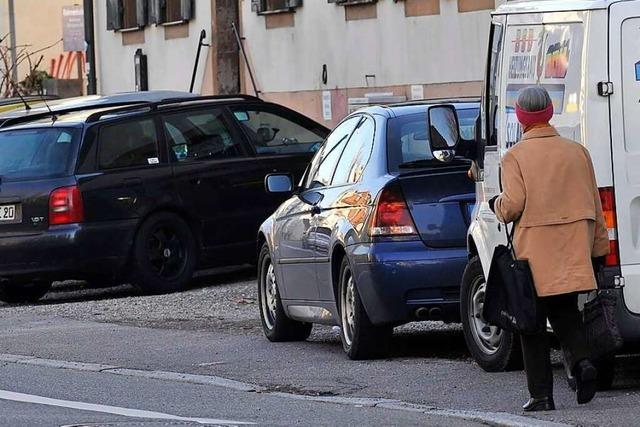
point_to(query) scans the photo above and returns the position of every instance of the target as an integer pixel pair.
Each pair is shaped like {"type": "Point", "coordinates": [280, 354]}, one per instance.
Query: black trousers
{"type": "Point", "coordinates": [566, 321]}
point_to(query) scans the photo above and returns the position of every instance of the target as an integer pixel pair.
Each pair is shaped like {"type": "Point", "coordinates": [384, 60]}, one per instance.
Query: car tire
{"type": "Point", "coordinates": [20, 293]}
{"type": "Point", "coordinates": [361, 339]}
{"type": "Point", "coordinates": [276, 325]}
{"type": "Point", "coordinates": [164, 254]}
{"type": "Point", "coordinates": [493, 349]}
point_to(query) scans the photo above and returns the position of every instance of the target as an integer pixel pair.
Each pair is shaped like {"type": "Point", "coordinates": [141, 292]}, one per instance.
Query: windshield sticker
{"type": "Point", "coordinates": [153, 160]}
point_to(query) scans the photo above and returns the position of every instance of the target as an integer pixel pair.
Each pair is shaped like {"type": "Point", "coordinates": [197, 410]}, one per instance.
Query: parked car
{"type": "Point", "coordinates": [373, 236]}
{"type": "Point", "coordinates": [600, 114]}
{"type": "Point", "coordinates": [145, 193]}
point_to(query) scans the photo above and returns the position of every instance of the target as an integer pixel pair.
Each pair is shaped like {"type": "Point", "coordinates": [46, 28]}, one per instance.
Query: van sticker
{"type": "Point", "coordinates": [638, 71]}
{"type": "Point", "coordinates": [557, 60]}
{"type": "Point", "coordinates": [153, 160]}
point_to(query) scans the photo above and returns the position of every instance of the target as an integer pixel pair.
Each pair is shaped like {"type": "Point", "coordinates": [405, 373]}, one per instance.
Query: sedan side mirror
{"type": "Point", "coordinates": [278, 183]}
{"type": "Point", "coordinates": [444, 132]}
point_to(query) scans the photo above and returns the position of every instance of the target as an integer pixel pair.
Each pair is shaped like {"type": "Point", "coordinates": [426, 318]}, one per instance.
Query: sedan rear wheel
{"type": "Point", "coordinates": [360, 338]}
{"type": "Point", "coordinates": [276, 325]}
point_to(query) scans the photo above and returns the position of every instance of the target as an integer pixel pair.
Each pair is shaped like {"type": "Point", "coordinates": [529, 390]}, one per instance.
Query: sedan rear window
{"type": "Point", "coordinates": [408, 138]}
{"type": "Point", "coordinates": [37, 153]}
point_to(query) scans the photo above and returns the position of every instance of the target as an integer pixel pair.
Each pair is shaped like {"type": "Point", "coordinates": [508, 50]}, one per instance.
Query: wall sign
{"type": "Point", "coordinates": [73, 28]}
{"type": "Point", "coordinates": [327, 110]}
{"type": "Point", "coordinates": [638, 71]}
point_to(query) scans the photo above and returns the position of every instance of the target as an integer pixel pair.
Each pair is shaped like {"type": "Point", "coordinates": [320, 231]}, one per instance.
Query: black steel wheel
{"type": "Point", "coordinates": [164, 254]}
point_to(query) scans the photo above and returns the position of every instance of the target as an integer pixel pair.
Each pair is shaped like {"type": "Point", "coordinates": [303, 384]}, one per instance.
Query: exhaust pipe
{"type": "Point", "coordinates": [422, 313]}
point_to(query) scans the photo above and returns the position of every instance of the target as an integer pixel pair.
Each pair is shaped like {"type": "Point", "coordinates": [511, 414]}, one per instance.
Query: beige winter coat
{"type": "Point", "coordinates": [550, 192]}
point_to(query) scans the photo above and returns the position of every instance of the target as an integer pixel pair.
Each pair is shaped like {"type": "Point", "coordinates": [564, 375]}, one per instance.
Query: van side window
{"type": "Point", "coordinates": [128, 144]}
{"type": "Point", "coordinates": [492, 102]}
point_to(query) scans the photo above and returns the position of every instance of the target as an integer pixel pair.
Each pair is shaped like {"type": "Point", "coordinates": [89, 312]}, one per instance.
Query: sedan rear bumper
{"type": "Point", "coordinates": [74, 251]}
{"type": "Point", "coordinates": [400, 282]}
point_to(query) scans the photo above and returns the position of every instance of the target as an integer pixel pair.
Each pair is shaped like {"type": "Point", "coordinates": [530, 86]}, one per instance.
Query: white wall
{"type": "Point", "coordinates": [170, 62]}
{"type": "Point", "coordinates": [399, 50]}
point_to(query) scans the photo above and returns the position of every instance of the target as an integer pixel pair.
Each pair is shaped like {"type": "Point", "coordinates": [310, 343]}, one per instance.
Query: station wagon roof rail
{"type": "Point", "coordinates": [541, 6]}
{"type": "Point", "coordinates": [169, 102]}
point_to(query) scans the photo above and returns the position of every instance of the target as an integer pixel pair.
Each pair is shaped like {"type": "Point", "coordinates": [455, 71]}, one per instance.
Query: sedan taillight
{"type": "Point", "coordinates": [392, 216]}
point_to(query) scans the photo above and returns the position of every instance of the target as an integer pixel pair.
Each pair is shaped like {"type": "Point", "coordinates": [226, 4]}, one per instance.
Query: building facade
{"type": "Point", "coordinates": [36, 26]}
{"type": "Point", "coordinates": [324, 58]}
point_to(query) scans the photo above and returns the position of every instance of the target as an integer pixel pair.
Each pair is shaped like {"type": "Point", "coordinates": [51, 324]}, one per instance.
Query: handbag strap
{"type": "Point", "coordinates": [511, 235]}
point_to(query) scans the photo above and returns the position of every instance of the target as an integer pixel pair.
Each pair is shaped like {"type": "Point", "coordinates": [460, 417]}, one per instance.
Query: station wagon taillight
{"type": "Point", "coordinates": [65, 206]}
{"type": "Point", "coordinates": [392, 216]}
{"type": "Point", "coordinates": [607, 196]}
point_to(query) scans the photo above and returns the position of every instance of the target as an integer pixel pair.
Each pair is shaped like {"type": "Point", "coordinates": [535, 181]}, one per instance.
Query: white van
{"type": "Point", "coordinates": [587, 55]}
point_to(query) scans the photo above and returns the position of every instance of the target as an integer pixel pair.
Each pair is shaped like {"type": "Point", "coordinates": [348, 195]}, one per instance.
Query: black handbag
{"type": "Point", "coordinates": [600, 325]}
{"type": "Point", "coordinates": [511, 301]}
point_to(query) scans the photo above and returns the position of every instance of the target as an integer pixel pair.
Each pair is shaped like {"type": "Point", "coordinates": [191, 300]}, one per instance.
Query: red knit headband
{"type": "Point", "coordinates": [529, 118]}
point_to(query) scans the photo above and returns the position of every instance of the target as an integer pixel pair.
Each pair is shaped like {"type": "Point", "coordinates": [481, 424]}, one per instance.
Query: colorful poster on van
{"type": "Point", "coordinates": [549, 55]}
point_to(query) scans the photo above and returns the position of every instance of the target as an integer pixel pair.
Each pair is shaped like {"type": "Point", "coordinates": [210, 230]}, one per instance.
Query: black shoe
{"type": "Point", "coordinates": [539, 404]}
{"type": "Point", "coordinates": [586, 381]}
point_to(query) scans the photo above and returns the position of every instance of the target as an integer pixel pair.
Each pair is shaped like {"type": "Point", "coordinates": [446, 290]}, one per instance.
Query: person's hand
{"type": "Point", "coordinates": [492, 203]}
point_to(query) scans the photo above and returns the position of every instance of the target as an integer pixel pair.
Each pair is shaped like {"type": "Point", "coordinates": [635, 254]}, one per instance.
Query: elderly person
{"type": "Point", "coordinates": [550, 193]}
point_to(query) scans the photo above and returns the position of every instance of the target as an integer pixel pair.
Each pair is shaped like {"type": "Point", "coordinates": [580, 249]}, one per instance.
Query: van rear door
{"type": "Point", "coordinates": [625, 129]}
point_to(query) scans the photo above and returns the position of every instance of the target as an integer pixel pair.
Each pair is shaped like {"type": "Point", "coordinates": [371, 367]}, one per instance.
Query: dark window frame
{"type": "Point", "coordinates": [276, 110]}
{"type": "Point", "coordinates": [228, 121]}
{"type": "Point", "coordinates": [160, 144]}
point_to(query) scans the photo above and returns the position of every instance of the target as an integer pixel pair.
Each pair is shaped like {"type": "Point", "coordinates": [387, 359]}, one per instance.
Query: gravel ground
{"type": "Point", "coordinates": [224, 302]}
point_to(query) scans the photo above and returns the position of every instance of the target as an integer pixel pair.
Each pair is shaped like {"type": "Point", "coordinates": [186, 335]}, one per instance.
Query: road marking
{"type": "Point", "coordinates": [106, 409]}
{"type": "Point", "coordinates": [502, 419]}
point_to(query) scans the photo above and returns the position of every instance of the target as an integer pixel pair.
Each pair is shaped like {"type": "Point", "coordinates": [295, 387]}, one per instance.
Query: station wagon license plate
{"type": "Point", "coordinates": [8, 213]}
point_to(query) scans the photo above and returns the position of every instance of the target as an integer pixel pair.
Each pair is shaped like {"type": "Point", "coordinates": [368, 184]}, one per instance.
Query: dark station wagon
{"type": "Point", "coordinates": [145, 193]}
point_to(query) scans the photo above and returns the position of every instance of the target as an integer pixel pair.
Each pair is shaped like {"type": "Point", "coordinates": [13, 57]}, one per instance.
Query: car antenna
{"type": "Point", "coordinates": [54, 117]}
{"type": "Point", "coordinates": [26, 105]}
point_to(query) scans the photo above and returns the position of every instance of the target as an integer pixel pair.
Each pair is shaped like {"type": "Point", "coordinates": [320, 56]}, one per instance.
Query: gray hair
{"type": "Point", "coordinates": [534, 98]}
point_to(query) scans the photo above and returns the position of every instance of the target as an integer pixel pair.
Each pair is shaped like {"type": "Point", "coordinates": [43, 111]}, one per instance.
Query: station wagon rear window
{"type": "Point", "coordinates": [37, 153]}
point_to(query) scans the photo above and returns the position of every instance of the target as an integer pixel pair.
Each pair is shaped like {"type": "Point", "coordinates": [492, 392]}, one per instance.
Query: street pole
{"type": "Point", "coordinates": [14, 45]}
{"type": "Point", "coordinates": [89, 38]}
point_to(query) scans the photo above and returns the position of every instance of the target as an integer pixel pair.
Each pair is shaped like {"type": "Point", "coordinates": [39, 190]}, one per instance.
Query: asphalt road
{"type": "Point", "coordinates": [125, 353]}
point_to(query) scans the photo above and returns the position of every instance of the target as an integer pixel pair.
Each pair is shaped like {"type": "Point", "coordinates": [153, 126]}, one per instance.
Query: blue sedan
{"type": "Point", "coordinates": [374, 236]}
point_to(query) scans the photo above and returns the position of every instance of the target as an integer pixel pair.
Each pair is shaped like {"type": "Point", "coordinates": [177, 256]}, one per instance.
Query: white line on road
{"type": "Point", "coordinates": [105, 409]}
{"type": "Point", "coordinates": [501, 419]}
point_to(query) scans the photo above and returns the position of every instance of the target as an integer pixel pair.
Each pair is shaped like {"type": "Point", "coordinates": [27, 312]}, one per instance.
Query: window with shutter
{"type": "Point", "coordinates": [351, 2]}
{"type": "Point", "coordinates": [271, 6]}
{"type": "Point", "coordinates": [178, 10]}
{"type": "Point", "coordinates": [130, 14]}
{"type": "Point", "coordinates": [114, 15]}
